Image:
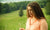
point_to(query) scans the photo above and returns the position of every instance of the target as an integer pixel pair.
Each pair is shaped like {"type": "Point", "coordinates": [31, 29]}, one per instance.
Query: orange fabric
{"type": "Point", "coordinates": [40, 24]}
{"type": "Point", "coordinates": [32, 23]}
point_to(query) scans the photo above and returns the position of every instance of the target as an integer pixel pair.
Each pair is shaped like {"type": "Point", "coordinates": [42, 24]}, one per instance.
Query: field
{"type": "Point", "coordinates": [12, 21]}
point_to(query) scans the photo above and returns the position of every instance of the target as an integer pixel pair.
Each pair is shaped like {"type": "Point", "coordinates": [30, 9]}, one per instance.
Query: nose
{"type": "Point", "coordinates": [29, 11]}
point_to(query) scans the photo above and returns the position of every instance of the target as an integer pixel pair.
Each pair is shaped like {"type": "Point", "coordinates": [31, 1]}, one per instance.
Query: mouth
{"type": "Point", "coordinates": [30, 14]}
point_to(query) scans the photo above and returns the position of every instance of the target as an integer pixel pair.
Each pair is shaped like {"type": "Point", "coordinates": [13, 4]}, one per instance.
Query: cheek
{"type": "Point", "coordinates": [30, 12]}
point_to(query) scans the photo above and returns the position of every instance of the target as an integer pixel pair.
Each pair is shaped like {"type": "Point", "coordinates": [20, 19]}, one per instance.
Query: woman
{"type": "Point", "coordinates": [36, 19]}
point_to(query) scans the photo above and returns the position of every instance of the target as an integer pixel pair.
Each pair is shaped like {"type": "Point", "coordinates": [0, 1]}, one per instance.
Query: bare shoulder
{"type": "Point", "coordinates": [44, 25]}
{"type": "Point", "coordinates": [28, 18]}
{"type": "Point", "coordinates": [43, 20]}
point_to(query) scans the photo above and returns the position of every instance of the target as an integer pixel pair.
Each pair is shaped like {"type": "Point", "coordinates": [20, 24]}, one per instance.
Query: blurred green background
{"type": "Point", "coordinates": [13, 14]}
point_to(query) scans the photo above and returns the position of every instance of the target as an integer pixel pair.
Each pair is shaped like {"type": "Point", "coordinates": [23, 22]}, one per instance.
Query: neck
{"type": "Point", "coordinates": [34, 17]}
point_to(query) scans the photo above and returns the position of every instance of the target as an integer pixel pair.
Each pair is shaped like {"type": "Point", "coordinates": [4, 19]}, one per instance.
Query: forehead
{"type": "Point", "coordinates": [29, 8]}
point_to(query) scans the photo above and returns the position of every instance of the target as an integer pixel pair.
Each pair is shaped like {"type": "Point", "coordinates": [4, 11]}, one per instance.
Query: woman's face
{"type": "Point", "coordinates": [30, 11]}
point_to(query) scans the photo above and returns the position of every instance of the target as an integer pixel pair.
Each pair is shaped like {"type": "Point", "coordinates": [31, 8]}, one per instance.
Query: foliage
{"type": "Point", "coordinates": [47, 8]}
{"type": "Point", "coordinates": [9, 7]}
{"type": "Point", "coordinates": [21, 11]}
{"type": "Point", "coordinates": [11, 21]}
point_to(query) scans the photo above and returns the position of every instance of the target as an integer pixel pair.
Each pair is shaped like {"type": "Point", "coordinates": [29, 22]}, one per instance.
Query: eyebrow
{"type": "Point", "coordinates": [29, 9]}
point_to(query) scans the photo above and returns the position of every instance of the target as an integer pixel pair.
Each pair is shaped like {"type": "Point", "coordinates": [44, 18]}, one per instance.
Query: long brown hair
{"type": "Point", "coordinates": [37, 10]}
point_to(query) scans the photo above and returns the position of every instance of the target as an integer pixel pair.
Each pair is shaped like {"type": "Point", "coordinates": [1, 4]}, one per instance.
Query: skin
{"type": "Point", "coordinates": [30, 12]}
{"type": "Point", "coordinates": [43, 23]}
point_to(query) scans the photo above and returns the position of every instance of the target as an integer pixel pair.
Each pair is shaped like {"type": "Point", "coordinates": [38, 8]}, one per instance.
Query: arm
{"type": "Point", "coordinates": [43, 25]}
{"type": "Point", "coordinates": [26, 26]}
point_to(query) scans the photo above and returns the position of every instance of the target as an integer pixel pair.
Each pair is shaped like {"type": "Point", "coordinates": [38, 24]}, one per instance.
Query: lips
{"type": "Point", "coordinates": [30, 14]}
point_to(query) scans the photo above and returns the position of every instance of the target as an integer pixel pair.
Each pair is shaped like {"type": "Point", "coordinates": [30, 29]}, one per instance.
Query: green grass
{"type": "Point", "coordinates": [12, 21]}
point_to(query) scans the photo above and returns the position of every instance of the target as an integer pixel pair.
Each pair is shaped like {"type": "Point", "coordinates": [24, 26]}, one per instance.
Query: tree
{"type": "Point", "coordinates": [48, 8]}
{"type": "Point", "coordinates": [21, 11]}
{"type": "Point", "coordinates": [0, 7]}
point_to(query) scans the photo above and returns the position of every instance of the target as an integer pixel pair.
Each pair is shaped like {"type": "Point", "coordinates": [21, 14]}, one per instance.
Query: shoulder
{"type": "Point", "coordinates": [43, 21]}
{"type": "Point", "coordinates": [28, 19]}
{"type": "Point", "coordinates": [44, 24]}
